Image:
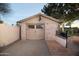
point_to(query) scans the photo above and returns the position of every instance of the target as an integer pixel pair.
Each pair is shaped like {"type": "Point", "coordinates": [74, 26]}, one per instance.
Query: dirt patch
{"type": "Point", "coordinates": [57, 50]}
{"type": "Point", "coordinates": [75, 39]}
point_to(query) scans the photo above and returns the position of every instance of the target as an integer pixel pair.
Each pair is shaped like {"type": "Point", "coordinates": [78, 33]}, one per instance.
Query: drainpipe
{"type": "Point", "coordinates": [20, 32]}
{"type": "Point", "coordinates": [18, 24]}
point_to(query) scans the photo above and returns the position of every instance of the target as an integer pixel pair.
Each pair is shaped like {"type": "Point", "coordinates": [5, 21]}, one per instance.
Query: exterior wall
{"type": "Point", "coordinates": [61, 41]}
{"type": "Point", "coordinates": [24, 27]}
{"type": "Point", "coordinates": [8, 34]}
{"type": "Point", "coordinates": [23, 31]}
{"type": "Point", "coordinates": [50, 27]}
{"type": "Point", "coordinates": [32, 20]}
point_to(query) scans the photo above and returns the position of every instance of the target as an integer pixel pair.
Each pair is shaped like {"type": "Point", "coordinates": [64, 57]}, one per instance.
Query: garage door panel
{"type": "Point", "coordinates": [35, 33]}
{"type": "Point", "coordinates": [40, 33]}
{"type": "Point", "coordinates": [30, 34]}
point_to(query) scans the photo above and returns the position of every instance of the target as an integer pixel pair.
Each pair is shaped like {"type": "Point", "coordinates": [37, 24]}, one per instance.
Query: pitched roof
{"type": "Point", "coordinates": [39, 14]}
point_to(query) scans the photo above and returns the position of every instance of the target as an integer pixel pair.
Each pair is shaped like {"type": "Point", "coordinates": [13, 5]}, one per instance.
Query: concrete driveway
{"type": "Point", "coordinates": [27, 48]}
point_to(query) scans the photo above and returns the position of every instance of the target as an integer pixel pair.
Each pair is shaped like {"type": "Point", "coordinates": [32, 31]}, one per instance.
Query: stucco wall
{"type": "Point", "coordinates": [24, 27]}
{"type": "Point", "coordinates": [61, 41]}
{"type": "Point", "coordinates": [23, 31]}
{"type": "Point", "coordinates": [50, 27]}
{"type": "Point", "coordinates": [8, 34]}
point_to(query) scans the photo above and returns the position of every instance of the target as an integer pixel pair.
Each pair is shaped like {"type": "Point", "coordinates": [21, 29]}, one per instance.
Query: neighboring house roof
{"type": "Point", "coordinates": [39, 14]}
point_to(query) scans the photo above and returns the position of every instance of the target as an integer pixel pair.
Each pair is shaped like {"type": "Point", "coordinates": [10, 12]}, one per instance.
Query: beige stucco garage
{"type": "Point", "coordinates": [38, 27]}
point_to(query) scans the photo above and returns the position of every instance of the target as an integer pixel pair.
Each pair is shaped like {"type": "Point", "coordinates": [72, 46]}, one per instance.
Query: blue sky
{"type": "Point", "coordinates": [22, 10]}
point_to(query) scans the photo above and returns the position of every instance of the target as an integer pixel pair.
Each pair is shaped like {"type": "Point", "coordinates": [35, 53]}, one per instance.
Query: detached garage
{"type": "Point", "coordinates": [38, 27]}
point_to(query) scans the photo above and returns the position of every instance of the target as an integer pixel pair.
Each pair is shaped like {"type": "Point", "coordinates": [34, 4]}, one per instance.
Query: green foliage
{"type": "Point", "coordinates": [4, 8]}
{"type": "Point", "coordinates": [65, 12]}
{"type": "Point", "coordinates": [72, 31]}
{"type": "Point", "coordinates": [62, 11]}
{"type": "Point", "coordinates": [1, 21]}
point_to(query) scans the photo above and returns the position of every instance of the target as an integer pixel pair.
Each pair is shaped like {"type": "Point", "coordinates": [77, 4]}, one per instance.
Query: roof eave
{"type": "Point", "coordinates": [53, 19]}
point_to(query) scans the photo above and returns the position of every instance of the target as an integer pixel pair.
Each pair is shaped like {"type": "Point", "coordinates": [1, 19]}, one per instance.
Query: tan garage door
{"type": "Point", "coordinates": [35, 32]}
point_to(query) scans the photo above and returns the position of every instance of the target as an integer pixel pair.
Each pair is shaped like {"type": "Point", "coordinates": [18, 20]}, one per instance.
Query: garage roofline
{"type": "Point", "coordinates": [39, 14]}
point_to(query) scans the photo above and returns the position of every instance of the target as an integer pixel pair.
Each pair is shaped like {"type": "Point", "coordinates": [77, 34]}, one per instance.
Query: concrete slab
{"type": "Point", "coordinates": [27, 48]}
